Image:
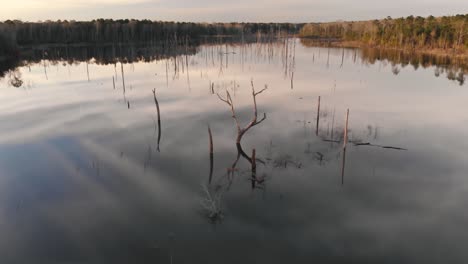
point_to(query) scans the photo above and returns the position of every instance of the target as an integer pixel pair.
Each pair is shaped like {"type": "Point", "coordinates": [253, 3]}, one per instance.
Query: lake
{"type": "Point", "coordinates": [89, 175]}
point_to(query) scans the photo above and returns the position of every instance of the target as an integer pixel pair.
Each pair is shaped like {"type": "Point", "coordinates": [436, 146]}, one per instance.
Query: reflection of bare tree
{"type": "Point", "coordinates": [211, 203]}
{"type": "Point", "coordinates": [15, 79]}
{"type": "Point", "coordinates": [284, 160]}
{"type": "Point", "coordinates": [149, 154]}
{"type": "Point", "coordinates": [395, 70]}
{"type": "Point", "coordinates": [123, 77]}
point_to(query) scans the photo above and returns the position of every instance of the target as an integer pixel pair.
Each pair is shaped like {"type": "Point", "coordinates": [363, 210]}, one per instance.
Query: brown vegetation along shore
{"type": "Point", "coordinates": [446, 35]}
{"type": "Point", "coordinates": [336, 43]}
{"type": "Point", "coordinates": [451, 62]}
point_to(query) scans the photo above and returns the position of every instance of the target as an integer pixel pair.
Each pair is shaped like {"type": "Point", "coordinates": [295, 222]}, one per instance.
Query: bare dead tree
{"type": "Point", "coordinates": [241, 131]}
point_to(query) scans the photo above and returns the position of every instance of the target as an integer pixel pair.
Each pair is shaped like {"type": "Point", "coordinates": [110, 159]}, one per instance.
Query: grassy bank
{"type": "Point", "coordinates": [446, 35]}
{"type": "Point", "coordinates": [337, 43]}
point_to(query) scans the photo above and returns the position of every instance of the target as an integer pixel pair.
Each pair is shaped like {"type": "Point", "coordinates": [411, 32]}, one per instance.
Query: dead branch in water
{"type": "Point", "coordinates": [345, 142]}
{"type": "Point", "coordinates": [345, 136]}
{"type": "Point", "coordinates": [159, 117]}
{"type": "Point", "coordinates": [211, 154]}
{"type": "Point", "coordinates": [375, 145]}
{"type": "Point", "coordinates": [241, 131]}
{"type": "Point", "coordinates": [318, 117]}
{"type": "Point", "coordinates": [253, 122]}
{"type": "Point", "coordinates": [211, 139]}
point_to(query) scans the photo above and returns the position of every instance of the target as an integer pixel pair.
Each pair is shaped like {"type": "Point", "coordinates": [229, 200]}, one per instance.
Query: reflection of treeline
{"type": "Point", "coordinates": [7, 65]}
{"type": "Point", "coordinates": [448, 32]}
{"type": "Point", "coordinates": [111, 53]}
{"type": "Point", "coordinates": [106, 54]}
{"type": "Point", "coordinates": [115, 31]}
{"type": "Point", "coordinates": [455, 68]}
{"type": "Point", "coordinates": [7, 46]}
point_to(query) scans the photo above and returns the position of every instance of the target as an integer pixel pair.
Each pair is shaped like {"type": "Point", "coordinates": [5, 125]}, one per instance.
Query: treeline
{"type": "Point", "coordinates": [447, 32]}
{"type": "Point", "coordinates": [118, 31]}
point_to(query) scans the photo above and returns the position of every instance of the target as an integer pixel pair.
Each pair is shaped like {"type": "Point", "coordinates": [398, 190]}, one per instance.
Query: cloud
{"type": "Point", "coordinates": [227, 11]}
{"type": "Point", "coordinates": [32, 4]}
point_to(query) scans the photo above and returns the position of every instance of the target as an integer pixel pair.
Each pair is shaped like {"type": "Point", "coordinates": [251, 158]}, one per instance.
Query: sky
{"type": "Point", "coordinates": [227, 10]}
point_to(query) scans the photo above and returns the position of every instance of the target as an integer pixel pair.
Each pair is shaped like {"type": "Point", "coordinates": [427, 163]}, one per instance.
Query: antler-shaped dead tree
{"type": "Point", "coordinates": [254, 121]}
{"type": "Point", "coordinates": [241, 131]}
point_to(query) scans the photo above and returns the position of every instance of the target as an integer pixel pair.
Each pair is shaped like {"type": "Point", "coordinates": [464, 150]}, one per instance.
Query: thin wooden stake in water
{"type": "Point", "coordinates": [159, 117]}
{"type": "Point", "coordinates": [113, 81]}
{"type": "Point", "coordinates": [333, 126]}
{"type": "Point", "coordinates": [343, 161]}
{"type": "Point", "coordinates": [292, 80]}
{"type": "Point", "coordinates": [346, 130]}
{"type": "Point", "coordinates": [211, 154]}
{"type": "Point", "coordinates": [318, 117]}
{"type": "Point", "coordinates": [345, 142]}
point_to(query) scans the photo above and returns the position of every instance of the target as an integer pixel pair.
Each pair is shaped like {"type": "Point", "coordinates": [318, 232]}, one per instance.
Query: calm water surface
{"type": "Point", "coordinates": [82, 180]}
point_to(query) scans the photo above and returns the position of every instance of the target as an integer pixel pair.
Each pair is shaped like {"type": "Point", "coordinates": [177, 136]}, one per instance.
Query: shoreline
{"type": "Point", "coordinates": [337, 43]}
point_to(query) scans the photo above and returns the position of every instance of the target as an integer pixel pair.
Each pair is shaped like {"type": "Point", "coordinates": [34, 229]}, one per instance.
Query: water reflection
{"type": "Point", "coordinates": [455, 68]}
{"type": "Point", "coordinates": [266, 49]}
{"type": "Point", "coordinates": [81, 180]}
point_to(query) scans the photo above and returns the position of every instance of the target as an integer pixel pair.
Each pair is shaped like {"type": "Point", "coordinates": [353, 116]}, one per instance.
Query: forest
{"type": "Point", "coordinates": [430, 33]}
{"type": "Point", "coordinates": [119, 31]}
{"type": "Point", "coordinates": [447, 33]}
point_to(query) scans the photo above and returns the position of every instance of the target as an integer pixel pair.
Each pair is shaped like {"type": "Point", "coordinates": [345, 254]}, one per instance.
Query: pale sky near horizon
{"type": "Point", "coordinates": [227, 11]}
